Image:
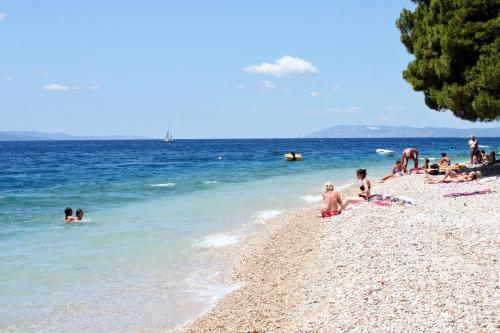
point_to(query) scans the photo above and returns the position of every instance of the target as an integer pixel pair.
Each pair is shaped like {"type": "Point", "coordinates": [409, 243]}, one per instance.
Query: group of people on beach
{"type": "Point", "coordinates": [68, 215]}
{"type": "Point", "coordinates": [334, 205]}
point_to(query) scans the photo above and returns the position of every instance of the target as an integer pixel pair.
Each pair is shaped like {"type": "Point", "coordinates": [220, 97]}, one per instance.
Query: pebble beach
{"type": "Point", "coordinates": [432, 266]}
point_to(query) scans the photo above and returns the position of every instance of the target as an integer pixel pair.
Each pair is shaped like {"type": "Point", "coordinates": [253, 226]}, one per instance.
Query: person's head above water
{"type": "Point", "coordinates": [361, 173]}
{"type": "Point", "coordinates": [328, 186]}
{"type": "Point", "coordinates": [79, 213]}
{"type": "Point", "coordinates": [68, 211]}
{"type": "Point", "coordinates": [426, 159]}
{"type": "Point", "coordinates": [443, 154]}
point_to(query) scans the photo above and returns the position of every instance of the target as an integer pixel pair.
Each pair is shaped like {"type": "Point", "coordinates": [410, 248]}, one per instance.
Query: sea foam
{"type": "Point", "coordinates": [210, 182]}
{"type": "Point", "coordinates": [218, 240]}
{"type": "Point", "coordinates": [163, 185]}
{"type": "Point", "coordinates": [267, 215]}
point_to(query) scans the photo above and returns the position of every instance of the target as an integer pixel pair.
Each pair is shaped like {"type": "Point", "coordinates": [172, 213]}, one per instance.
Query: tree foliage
{"type": "Point", "coordinates": [456, 44]}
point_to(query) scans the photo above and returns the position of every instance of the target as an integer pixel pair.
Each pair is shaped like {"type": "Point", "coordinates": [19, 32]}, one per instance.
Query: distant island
{"type": "Point", "coordinates": [42, 136]}
{"type": "Point", "coordinates": [346, 131]}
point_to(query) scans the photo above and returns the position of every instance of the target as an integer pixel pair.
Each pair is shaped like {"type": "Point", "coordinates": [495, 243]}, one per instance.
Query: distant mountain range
{"type": "Point", "coordinates": [346, 131]}
{"type": "Point", "coordinates": [41, 136]}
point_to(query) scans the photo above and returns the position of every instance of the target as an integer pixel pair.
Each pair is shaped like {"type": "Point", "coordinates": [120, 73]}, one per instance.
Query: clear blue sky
{"type": "Point", "coordinates": [136, 67]}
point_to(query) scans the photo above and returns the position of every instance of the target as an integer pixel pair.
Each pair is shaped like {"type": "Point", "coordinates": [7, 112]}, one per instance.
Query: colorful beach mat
{"type": "Point", "coordinates": [465, 194]}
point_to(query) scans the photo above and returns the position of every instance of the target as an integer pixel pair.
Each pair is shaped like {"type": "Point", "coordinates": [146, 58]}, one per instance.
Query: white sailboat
{"type": "Point", "coordinates": [168, 137]}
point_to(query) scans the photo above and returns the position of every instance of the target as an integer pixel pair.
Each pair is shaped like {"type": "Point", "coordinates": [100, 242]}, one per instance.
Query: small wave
{"type": "Point", "coordinates": [311, 198]}
{"type": "Point", "coordinates": [210, 182]}
{"type": "Point", "coordinates": [267, 215]}
{"type": "Point", "coordinates": [218, 240]}
{"type": "Point", "coordinates": [430, 158]}
{"type": "Point", "coordinates": [163, 185]}
{"type": "Point", "coordinates": [483, 146]}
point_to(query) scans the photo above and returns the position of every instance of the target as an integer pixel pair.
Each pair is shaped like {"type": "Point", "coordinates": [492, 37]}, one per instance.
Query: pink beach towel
{"type": "Point", "coordinates": [464, 194]}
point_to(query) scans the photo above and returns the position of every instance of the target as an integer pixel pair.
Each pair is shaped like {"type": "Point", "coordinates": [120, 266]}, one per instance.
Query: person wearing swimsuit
{"type": "Point", "coordinates": [444, 160]}
{"type": "Point", "coordinates": [331, 201]}
{"type": "Point", "coordinates": [397, 171]}
{"type": "Point", "coordinates": [452, 176]}
{"type": "Point", "coordinates": [365, 188]}
{"type": "Point", "coordinates": [473, 145]}
{"type": "Point", "coordinates": [409, 154]}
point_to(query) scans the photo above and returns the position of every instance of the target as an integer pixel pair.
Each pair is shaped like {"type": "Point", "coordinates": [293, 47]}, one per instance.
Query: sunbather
{"type": "Point", "coordinates": [365, 188]}
{"type": "Point", "coordinates": [452, 176]}
{"type": "Point", "coordinates": [444, 160]}
{"type": "Point", "coordinates": [397, 171]}
{"type": "Point", "coordinates": [331, 201]}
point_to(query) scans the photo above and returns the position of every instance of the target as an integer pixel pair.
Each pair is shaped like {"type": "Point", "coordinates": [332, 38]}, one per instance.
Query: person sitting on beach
{"type": "Point", "coordinates": [365, 188]}
{"type": "Point", "coordinates": [409, 154]}
{"type": "Point", "coordinates": [452, 176]}
{"type": "Point", "coordinates": [397, 171]}
{"type": "Point", "coordinates": [68, 212]}
{"type": "Point", "coordinates": [491, 157]}
{"type": "Point", "coordinates": [79, 214]}
{"type": "Point", "coordinates": [424, 169]}
{"type": "Point", "coordinates": [331, 201]}
{"type": "Point", "coordinates": [444, 160]}
{"type": "Point", "coordinates": [484, 157]}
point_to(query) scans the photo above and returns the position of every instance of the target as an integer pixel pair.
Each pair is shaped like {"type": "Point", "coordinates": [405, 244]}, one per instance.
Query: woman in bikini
{"type": "Point", "coordinates": [331, 201]}
{"type": "Point", "coordinates": [452, 176]}
{"type": "Point", "coordinates": [364, 195]}
{"type": "Point", "coordinates": [397, 171]}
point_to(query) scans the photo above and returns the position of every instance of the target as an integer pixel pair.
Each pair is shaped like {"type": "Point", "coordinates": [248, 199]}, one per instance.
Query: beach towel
{"type": "Point", "coordinates": [387, 200]}
{"type": "Point", "coordinates": [464, 194]}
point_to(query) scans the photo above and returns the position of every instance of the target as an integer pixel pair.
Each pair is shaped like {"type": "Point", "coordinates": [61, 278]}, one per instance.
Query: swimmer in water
{"type": "Point", "coordinates": [68, 212]}
{"type": "Point", "coordinates": [79, 214]}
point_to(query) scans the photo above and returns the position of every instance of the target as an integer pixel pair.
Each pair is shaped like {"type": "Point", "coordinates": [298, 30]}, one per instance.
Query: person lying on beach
{"type": "Point", "coordinates": [397, 171]}
{"type": "Point", "coordinates": [331, 201]}
{"type": "Point", "coordinates": [68, 212]}
{"type": "Point", "coordinates": [364, 195]}
{"type": "Point", "coordinates": [409, 154]}
{"type": "Point", "coordinates": [79, 214]}
{"type": "Point", "coordinates": [492, 157]}
{"type": "Point", "coordinates": [452, 176]}
{"type": "Point", "coordinates": [444, 160]}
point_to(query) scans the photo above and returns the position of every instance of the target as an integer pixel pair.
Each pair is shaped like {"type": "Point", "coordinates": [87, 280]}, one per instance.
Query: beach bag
{"type": "Point", "coordinates": [434, 171]}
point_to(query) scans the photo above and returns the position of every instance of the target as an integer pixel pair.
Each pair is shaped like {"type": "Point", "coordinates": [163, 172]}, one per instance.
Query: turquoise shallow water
{"type": "Point", "coordinates": [154, 213]}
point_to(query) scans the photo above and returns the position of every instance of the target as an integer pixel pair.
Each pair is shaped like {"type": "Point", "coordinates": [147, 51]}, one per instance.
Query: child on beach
{"type": "Point", "coordinates": [331, 201]}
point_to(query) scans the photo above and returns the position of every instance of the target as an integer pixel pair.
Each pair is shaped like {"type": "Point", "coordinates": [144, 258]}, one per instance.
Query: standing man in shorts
{"type": "Point", "coordinates": [473, 148]}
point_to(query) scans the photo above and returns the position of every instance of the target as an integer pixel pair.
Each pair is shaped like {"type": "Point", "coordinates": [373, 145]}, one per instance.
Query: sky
{"type": "Point", "coordinates": [206, 69]}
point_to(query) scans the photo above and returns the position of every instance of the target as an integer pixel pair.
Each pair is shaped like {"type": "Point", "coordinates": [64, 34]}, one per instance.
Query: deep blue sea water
{"type": "Point", "coordinates": [153, 214]}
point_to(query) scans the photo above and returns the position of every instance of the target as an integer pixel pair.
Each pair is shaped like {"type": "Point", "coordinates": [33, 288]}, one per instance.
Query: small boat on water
{"type": "Point", "coordinates": [168, 137]}
{"type": "Point", "coordinates": [293, 156]}
{"type": "Point", "coordinates": [385, 152]}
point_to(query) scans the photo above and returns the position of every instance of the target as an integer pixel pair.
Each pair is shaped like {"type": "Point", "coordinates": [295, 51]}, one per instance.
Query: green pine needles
{"type": "Point", "coordinates": [456, 44]}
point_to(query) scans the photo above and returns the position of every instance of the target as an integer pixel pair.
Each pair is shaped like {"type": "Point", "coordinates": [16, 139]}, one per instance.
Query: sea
{"type": "Point", "coordinates": [156, 215]}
